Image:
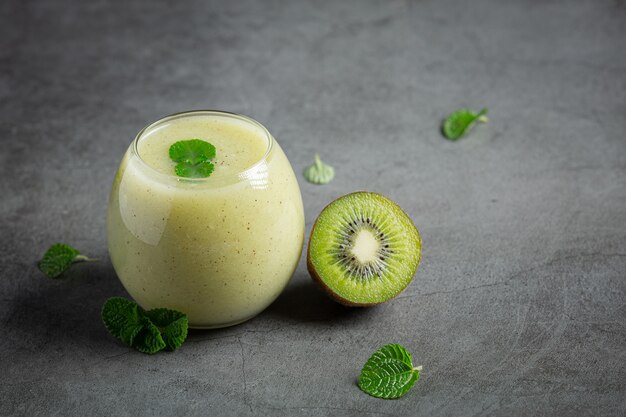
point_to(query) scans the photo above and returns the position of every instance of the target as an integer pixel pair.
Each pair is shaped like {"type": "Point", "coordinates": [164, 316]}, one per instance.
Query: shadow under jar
{"type": "Point", "coordinates": [219, 249]}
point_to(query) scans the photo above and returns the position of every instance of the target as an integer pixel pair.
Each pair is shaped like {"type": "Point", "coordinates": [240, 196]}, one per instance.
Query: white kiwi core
{"type": "Point", "coordinates": [365, 247]}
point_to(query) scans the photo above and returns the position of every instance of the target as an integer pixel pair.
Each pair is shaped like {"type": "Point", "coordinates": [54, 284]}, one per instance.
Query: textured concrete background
{"type": "Point", "coordinates": [519, 305]}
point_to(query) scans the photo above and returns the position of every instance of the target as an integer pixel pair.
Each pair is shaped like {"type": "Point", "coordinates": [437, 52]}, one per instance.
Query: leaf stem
{"type": "Point", "coordinates": [482, 116]}
{"type": "Point", "coordinates": [83, 258]}
{"type": "Point", "coordinates": [318, 161]}
{"type": "Point", "coordinates": [417, 368]}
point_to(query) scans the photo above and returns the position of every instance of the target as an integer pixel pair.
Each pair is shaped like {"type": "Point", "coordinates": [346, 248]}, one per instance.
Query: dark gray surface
{"type": "Point", "coordinates": [519, 305]}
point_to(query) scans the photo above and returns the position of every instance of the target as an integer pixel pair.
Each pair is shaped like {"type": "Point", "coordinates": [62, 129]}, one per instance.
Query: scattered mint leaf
{"type": "Point", "coordinates": [200, 170]}
{"type": "Point", "coordinates": [122, 318]}
{"type": "Point", "coordinates": [193, 157]}
{"type": "Point", "coordinates": [58, 258]}
{"type": "Point", "coordinates": [459, 123]}
{"type": "Point", "coordinates": [149, 339]}
{"type": "Point", "coordinates": [389, 372]}
{"type": "Point", "coordinates": [319, 172]}
{"type": "Point", "coordinates": [192, 151]}
{"type": "Point", "coordinates": [172, 324]}
{"type": "Point", "coordinates": [147, 331]}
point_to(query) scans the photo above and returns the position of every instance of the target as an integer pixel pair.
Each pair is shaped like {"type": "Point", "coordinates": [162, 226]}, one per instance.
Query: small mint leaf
{"type": "Point", "coordinates": [192, 151]}
{"type": "Point", "coordinates": [319, 172]}
{"type": "Point", "coordinates": [389, 373]}
{"type": "Point", "coordinates": [172, 324]}
{"type": "Point", "coordinates": [149, 339]}
{"type": "Point", "coordinates": [58, 258]}
{"type": "Point", "coordinates": [459, 123]}
{"type": "Point", "coordinates": [200, 170]}
{"type": "Point", "coordinates": [123, 319]}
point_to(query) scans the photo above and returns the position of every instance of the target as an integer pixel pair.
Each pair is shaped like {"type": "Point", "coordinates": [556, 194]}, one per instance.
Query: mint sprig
{"type": "Point", "coordinates": [122, 318]}
{"type": "Point", "coordinates": [171, 323]}
{"type": "Point", "coordinates": [389, 372]}
{"type": "Point", "coordinates": [319, 172]}
{"type": "Point", "coordinates": [192, 157]}
{"type": "Point", "coordinates": [459, 123]}
{"type": "Point", "coordinates": [149, 339]}
{"type": "Point", "coordinates": [58, 258]}
{"type": "Point", "coordinates": [147, 331]}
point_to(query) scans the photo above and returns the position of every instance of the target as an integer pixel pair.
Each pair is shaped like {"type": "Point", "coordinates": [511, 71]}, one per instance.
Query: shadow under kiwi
{"type": "Point", "coordinates": [302, 303]}
{"type": "Point", "coordinates": [303, 300]}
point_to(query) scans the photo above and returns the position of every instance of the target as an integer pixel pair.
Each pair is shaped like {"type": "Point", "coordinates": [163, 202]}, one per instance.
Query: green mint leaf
{"type": "Point", "coordinates": [172, 324]}
{"type": "Point", "coordinates": [199, 170]}
{"type": "Point", "coordinates": [123, 319]}
{"type": "Point", "coordinates": [459, 123]}
{"type": "Point", "coordinates": [147, 331]}
{"type": "Point", "coordinates": [58, 258]}
{"type": "Point", "coordinates": [192, 151]}
{"type": "Point", "coordinates": [319, 172]}
{"type": "Point", "coordinates": [149, 339]}
{"type": "Point", "coordinates": [389, 372]}
{"type": "Point", "coordinates": [193, 157]}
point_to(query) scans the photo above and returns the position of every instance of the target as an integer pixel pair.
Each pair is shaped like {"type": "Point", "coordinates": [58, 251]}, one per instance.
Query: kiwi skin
{"type": "Point", "coordinates": [318, 279]}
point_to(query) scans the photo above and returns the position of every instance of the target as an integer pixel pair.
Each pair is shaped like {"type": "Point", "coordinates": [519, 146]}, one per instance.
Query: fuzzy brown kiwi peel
{"type": "Point", "coordinates": [363, 249]}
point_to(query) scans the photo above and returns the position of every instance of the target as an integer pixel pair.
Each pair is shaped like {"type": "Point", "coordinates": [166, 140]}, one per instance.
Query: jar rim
{"type": "Point", "coordinates": [248, 172]}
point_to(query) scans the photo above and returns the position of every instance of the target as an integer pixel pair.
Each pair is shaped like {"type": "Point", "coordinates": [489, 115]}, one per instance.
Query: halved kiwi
{"type": "Point", "coordinates": [363, 249]}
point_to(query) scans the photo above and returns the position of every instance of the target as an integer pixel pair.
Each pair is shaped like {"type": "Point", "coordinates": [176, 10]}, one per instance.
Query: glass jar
{"type": "Point", "coordinates": [221, 248]}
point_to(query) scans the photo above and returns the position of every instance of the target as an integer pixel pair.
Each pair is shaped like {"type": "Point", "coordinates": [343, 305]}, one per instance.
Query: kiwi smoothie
{"type": "Point", "coordinates": [219, 249]}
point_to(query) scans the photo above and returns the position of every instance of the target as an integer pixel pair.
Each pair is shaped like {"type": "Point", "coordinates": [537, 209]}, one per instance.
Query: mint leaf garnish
{"type": "Point", "coordinates": [58, 258]}
{"type": "Point", "coordinates": [319, 172]}
{"type": "Point", "coordinates": [172, 324]}
{"type": "Point", "coordinates": [200, 170]}
{"type": "Point", "coordinates": [389, 372]}
{"type": "Point", "coordinates": [193, 157]}
{"type": "Point", "coordinates": [147, 331]}
{"type": "Point", "coordinates": [459, 123]}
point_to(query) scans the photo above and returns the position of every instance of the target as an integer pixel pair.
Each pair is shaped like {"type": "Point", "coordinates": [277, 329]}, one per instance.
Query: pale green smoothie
{"type": "Point", "coordinates": [219, 249]}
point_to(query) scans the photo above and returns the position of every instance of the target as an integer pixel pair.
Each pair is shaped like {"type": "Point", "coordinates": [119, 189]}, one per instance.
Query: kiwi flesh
{"type": "Point", "coordinates": [363, 249]}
